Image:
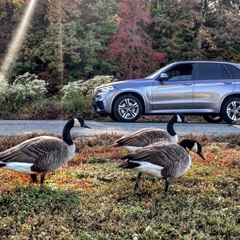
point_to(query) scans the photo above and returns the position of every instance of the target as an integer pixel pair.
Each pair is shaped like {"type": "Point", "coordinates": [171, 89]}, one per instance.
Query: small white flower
{"type": "Point", "coordinates": [135, 236]}
{"type": "Point", "coordinates": [148, 228]}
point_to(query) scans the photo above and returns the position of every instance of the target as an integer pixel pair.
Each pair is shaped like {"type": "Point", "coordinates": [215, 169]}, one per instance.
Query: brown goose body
{"type": "Point", "coordinates": [147, 136]}
{"type": "Point", "coordinates": [41, 154]}
{"type": "Point", "coordinates": [163, 160]}
{"type": "Point", "coordinates": [142, 138]}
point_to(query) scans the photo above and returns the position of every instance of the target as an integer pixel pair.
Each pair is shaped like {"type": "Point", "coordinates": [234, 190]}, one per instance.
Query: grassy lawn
{"type": "Point", "coordinates": [90, 198]}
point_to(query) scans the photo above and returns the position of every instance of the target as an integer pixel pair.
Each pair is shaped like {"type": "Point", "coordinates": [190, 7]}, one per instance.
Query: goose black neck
{"type": "Point", "coordinates": [66, 133]}
{"type": "Point", "coordinates": [170, 128]}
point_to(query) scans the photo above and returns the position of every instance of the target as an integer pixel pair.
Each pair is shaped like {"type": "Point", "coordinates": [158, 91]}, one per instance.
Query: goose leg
{"type": "Point", "coordinates": [167, 182]}
{"type": "Point", "coordinates": [137, 181]}
{"type": "Point", "coordinates": [43, 175]}
{"type": "Point", "coordinates": [34, 178]}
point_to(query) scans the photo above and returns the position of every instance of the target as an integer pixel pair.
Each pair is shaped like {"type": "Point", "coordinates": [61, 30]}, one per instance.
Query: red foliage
{"type": "Point", "coordinates": [131, 45]}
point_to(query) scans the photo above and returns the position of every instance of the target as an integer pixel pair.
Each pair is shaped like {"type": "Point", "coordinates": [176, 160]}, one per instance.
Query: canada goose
{"type": "Point", "coordinates": [41, 154]}
{"type": "Point", "coordinates": [162, 160]}
{"type": "Point", "coordinates": [147, 136]}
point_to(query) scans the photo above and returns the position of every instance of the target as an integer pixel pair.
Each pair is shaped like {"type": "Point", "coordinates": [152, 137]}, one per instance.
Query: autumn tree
{"type": "Point", "coordinates": [131, 46]}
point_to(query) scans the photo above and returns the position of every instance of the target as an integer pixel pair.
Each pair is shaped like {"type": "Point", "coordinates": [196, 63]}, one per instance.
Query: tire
{"type": "Point", "coordinates": [113, 118]}
{"type": "Point", "coordinates": [231, 109]}
{"type": "Point", "coordinates": [127, 108]}
{"type": "Point", "coordinates": [212, 118]}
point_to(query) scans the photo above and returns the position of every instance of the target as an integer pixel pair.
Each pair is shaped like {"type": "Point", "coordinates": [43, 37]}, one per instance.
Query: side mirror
{"type": "Point", "coordinates": [163, 76]}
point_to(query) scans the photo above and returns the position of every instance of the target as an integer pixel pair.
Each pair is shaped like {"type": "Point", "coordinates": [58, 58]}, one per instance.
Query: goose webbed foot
{"type": "Point", "coordinates": [136, 187]}
{"type": "Point", "coordinates": [34, 178]}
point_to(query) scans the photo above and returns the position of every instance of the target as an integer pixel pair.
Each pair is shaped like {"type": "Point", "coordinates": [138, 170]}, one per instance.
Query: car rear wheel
{"type": "Point", "coordinates": [231, 109]}
{"type": "Point", "coordinates": [127, 108]}
{"type": "Point", "coordinates": [212, 118]}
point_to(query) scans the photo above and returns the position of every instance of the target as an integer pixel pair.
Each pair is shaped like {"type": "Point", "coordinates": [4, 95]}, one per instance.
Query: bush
{"type": "Point", "coordinates": [26, 88]}
{"type": "Point", "coordinates": [25, 99]}
{"type": "Point", "coordinates": [77, 95]}
{"type": "Point", "coordinates": [83, 88]}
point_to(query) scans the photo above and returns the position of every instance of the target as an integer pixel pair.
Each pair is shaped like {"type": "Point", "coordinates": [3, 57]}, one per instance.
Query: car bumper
{"type": "Point", "coordinates": [102, 104]}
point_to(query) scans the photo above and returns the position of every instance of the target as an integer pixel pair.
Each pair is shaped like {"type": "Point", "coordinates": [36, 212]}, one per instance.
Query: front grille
{"type": "Point", "coordinates": [100, 105]}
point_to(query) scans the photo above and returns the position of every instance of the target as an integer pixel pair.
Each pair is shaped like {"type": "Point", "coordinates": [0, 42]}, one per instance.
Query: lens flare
{"type": "Point", "coordinates": [18, 39]}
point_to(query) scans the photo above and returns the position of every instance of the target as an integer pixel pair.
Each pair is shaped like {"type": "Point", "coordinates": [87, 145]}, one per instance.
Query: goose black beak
{"type": "Point", "coordinates": [201, 155]}
{"type": "Point", "coordinates": [86, 126]}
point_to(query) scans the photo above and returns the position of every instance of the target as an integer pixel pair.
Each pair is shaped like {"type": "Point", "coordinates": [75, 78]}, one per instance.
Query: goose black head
{"type": "Point", "coordinates": [180, 118]}
{"type": "Point", "coordinates": [193, 146]}
{"type": "Point", "coordinates": [79, 122]}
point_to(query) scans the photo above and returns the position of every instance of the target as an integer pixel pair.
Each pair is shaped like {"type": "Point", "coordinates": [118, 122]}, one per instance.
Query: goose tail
{"type": "Point", "coordinates": [128, 165]}
{"type": "Point", "coordinates": [2, 164]}
{"type": "Point", "coordinates": [128, 157]}
{"type": "Point", "coordinates": [114, 145]}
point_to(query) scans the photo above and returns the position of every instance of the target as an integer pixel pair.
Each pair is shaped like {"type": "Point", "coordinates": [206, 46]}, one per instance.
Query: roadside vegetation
{"type": "Point", "coordinates": [90, 198]}
{"type": "Point", "coordinates": [28, 97]}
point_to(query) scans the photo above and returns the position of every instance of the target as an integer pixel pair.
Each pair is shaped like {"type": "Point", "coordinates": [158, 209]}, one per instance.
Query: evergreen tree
{"type": "Point", "coordinates": [196, 30]}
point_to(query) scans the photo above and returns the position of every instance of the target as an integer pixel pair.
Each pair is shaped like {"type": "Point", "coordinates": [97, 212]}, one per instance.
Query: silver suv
{"type": "Point", "coordinates": [207, 88]}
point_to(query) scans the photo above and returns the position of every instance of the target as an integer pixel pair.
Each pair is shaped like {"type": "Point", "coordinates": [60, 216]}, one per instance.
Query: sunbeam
{"type": "Point", "coordinates": [18, 38]}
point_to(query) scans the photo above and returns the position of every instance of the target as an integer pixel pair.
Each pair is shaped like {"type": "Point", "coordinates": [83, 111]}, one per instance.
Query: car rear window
{"type": "Point", "coordinates": [208, 71]}
{"type": "Point", "coordinates": [235, 72]}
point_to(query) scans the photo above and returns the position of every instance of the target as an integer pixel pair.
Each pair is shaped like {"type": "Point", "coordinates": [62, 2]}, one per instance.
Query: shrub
{"type": "Point", "coordinates": [77, 95]}
{"type": "Point", "coordinates": [26, 88]}
{"type": "Point", "coordinates": [81, 88]}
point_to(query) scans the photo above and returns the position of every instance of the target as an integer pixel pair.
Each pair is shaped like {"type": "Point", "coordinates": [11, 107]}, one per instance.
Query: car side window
{"type": "Point", "coordinates": [180, 72]}
{"type": "Point", "coordinates": [210, 71]}
{"type": "Point", "coordinates": [235, 72]}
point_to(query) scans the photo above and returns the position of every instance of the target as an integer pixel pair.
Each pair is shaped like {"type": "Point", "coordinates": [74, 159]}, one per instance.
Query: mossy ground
{"type": "Point", "coordinates": [90, 198]}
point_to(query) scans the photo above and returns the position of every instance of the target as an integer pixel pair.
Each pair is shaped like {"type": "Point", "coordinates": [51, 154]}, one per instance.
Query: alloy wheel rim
{"type": "Point", "coordinates": [128, 108]}
{"type": "Point", "coordinates": [233, 110]}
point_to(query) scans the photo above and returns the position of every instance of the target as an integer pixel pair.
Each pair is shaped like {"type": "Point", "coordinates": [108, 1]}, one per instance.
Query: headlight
{"type": "Point", "coordinates": [104, 90]}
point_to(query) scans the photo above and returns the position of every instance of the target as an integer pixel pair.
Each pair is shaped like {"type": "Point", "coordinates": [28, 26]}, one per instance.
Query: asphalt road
{"type": "Point", "coordinates": [20, 127]}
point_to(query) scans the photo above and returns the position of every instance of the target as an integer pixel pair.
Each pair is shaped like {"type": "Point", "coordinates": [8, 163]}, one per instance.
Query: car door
{"type": "Point", "coordinates": [212, 82]}
{"type": "Point", "coordinates": [175, 92]}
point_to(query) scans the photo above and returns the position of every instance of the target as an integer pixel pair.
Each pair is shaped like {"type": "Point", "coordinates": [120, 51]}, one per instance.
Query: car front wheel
{"type": "Point", "coordinates": [127, 108]}
{"type": "Point", "coordinates": [231, 109]}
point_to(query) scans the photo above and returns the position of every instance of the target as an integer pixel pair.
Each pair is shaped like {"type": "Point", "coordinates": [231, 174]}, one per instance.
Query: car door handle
{"type": "Point", "coordinates": [187, 84]}
{"type": "Point", "coordinates": [228, 82]}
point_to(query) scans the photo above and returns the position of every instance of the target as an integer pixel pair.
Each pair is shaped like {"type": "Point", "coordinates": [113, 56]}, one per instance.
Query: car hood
{"type": "Point", "coordinates": [128, 83]}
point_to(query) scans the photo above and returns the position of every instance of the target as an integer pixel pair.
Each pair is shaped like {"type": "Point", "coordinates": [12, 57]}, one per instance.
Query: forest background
{"type": "Point", "coordinates": [69, 43]}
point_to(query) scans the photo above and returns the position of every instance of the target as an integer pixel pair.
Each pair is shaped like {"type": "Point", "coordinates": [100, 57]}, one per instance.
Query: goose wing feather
{"type": "Point", "coordinates": [161, 154]}
{"type": "Point", "coordinates": [35, 150]}
{"type": "Point", "coordinates": [143, 137]}
{"type": "Point", "coordinates": [53, 158]}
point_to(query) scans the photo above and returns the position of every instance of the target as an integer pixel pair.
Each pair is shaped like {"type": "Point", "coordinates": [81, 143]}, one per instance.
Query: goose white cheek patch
{"type": "Point", "coordinates": [76, 123]}
{"type": "Point", "coordinates": [195, 148]}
